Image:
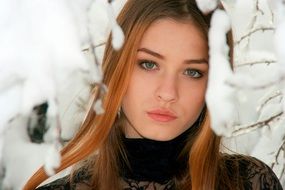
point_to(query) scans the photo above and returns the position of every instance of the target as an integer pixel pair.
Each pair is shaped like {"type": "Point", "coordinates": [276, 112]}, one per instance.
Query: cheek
{"type": "Point", "coordinates": [193, 100]}
{"type": "Point", "coordinates": [193, 90]}
{"type": "Point", "coordinates": [141, 85]}
{"type": "Point", "coordinates": [138, 91]}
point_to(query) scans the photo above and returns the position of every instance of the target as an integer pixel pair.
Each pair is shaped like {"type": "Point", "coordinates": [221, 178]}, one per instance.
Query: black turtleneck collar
{"type": "Point", "coordinates": [152, 160]}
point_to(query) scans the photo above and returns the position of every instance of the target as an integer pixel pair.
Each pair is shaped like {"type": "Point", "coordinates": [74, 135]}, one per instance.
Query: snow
{"type": "Point", "coordinates": [104, 14]}
{"type": "Point", "coordinates": [207, 6]}
{"type": "Point", "coordinates": [49, 51]}
{"type": "Point", "coordinates": [98, 107]}
{"type": "Point", "coordinates": [117, 33]}
{"type": "Point", "coordinates": [98, 16]}
{"type": "Point", "coordinates": [117, 36]}
{"type": "Point", "coordinates": [279, 40]}
{"type": "Point", "coordinates": [22, 158]}
{"type": "Point", "coordinates": [219, 95]}
{"type": "Point", "coordinates": [42, 60]}
{"type": "Point", "coordinates": [52, 160]}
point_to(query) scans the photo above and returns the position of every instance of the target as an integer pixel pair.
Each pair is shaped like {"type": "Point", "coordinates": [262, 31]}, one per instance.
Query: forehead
{"type": "Point", "coordinates": [167, 35]}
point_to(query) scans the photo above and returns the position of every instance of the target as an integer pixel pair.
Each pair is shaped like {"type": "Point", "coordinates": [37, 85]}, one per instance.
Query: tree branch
{"type": "Point", "coordinates": [95, 46]}
{"type": "Point", "coordinates": [269, 99]}
{"type": "Point", "coordinates": [268, 62]}
{"type": "Point", "coordinates": [258, 9]}
{"type": "Point", "coordinates": [282, 173]}
{"type": "Point", "coordinates": [278, 153]}
{"type": "Point", "coordinates": [262, 29]}
{"type": "Point", "coordinates": [256, 87]}
{"type": "Point", "coordinates": [243, 130]}
{"type": "Point", "coordinates": [280, 149]}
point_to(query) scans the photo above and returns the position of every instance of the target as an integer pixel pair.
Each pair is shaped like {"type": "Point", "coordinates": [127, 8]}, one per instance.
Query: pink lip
{"type": "Point", "coordinates": [161, 115]}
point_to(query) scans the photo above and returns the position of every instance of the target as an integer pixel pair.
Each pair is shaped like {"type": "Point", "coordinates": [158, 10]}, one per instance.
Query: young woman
{"type": "Point", "coordinates": [155, 133]}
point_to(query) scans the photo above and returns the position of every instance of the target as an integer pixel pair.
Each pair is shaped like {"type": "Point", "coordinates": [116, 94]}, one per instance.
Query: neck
{"type": "Point", "coordinates": [151, 160]}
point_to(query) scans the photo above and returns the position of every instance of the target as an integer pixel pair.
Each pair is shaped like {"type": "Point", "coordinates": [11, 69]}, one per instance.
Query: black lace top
{"type": "Point", "coordinates": [154, 164]}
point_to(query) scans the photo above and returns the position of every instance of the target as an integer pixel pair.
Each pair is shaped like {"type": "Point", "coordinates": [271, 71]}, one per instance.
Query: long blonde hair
{"type": "Point", "coordinates": [102, 132]}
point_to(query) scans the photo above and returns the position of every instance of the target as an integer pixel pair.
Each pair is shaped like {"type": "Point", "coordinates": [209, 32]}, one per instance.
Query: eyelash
{"type": "Point", "coordinates": [142, 64]}
{"type": "Point", "coordinates": [197, 72]}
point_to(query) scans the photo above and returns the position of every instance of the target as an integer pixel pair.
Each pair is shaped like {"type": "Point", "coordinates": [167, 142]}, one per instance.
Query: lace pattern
{"type": "Point", "coordinates": [260, 176]}
{"type": "Point", "coordinates": [255, 174]}
{"type": "Point", "coordinates": [129, 184]}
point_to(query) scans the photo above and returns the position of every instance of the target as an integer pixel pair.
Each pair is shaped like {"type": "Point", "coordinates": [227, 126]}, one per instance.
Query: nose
{"type": "Point", "coordinates": [167, 89]}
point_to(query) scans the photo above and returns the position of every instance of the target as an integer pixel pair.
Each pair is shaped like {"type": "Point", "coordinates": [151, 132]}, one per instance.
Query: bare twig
{"type": "Point", "coordinates": [95, 46]}
{"type": "Point", "coordinates": [258, 9]}
{"type": "Point", "coordinates": [282, 173]}
{"type": "Point", "coordinates": [246, 129]}
{"type": "Point", "coordinates": [81, 104]}
{"type": "Point", "coordinates": [92, 46]}
{"type": "Point", "coordinates": [253, 22]}
{"type": "Point", "coordinates": [278, 153]}
{"type": "Point", "coordinates": [98, 88]}
{"type": "Point", "coordinates": [262, 29]}
{"type": "Point", "coordinates": [268, 62]}
{"type": "Point", "coordinates": [280, 149]}
{"type": "Point", "coordinates": [94, 54]}
{"type": "Point", "coordinates": [255, 87]}
{"type": "Point", "coordinates": [272, 15]}
{"type": "Point", "coordinates": [278, 94]}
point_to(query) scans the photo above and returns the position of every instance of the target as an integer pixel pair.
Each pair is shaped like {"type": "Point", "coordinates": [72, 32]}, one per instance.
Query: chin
{"type": "Point", "coordinates": [161, 137]}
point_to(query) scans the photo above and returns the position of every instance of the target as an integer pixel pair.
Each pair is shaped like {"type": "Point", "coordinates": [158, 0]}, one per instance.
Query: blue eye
{"type": "Point", "coordinates": [193, 73]}
{"type": "Point", "coordinates": [148, 65]}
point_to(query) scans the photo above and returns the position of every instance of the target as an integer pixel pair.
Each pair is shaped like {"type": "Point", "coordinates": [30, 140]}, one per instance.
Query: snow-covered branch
{"type": "Point", "coordinates": [219, 96]}
{"type": "Point", "coordinates": [49, 57]}
{"type": "Point", "coordinates": [44, 61]}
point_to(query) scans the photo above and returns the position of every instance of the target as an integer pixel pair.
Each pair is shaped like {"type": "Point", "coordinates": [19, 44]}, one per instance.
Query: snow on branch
{"type": "Point", "coordinates": [207, 6]}
{"type": "Point", "coordinates": [109, 17]}
{"type": "Point", "coordinates": [247, 80]}
{"type": "Point", "coordinates": [41, 52]}
{"type": "Point", "coordinates": [219, 96]}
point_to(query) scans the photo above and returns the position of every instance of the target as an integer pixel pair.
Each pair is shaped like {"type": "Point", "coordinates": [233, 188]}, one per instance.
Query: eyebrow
{"type": "Point", "coordinates": [188, 61]}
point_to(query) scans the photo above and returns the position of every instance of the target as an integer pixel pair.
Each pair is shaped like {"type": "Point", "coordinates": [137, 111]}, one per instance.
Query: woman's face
{"type": "Point", "coordinates": [166, 92]}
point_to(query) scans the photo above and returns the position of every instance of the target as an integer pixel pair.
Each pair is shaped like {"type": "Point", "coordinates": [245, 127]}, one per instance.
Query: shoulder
{"type": "Point", "coordinates": [254, 173]}
{"type": "Point", "coordinates": [80, 180]}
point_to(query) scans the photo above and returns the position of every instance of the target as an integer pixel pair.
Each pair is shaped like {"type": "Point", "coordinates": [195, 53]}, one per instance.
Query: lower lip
{"type": "Point", "coordinates": [161, 117]}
